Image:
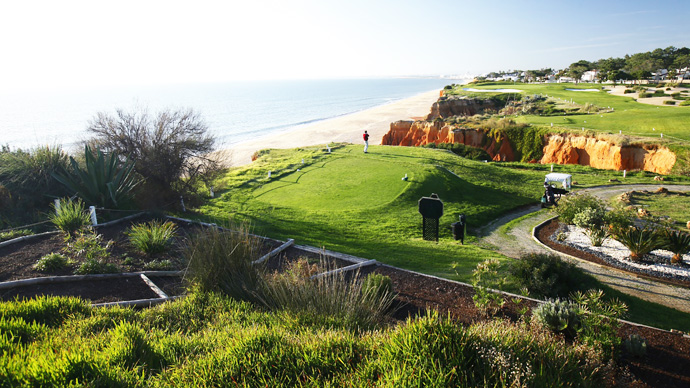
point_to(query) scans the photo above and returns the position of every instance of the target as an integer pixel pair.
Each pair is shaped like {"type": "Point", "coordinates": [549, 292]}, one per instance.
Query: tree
{"type": "Point", "coordinates": [578, 68]}
{"type": "Point", "coordinates": [171, 151]}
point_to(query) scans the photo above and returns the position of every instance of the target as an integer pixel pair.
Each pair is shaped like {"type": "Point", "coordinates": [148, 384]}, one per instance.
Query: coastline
{"type": "Point", "coordinates": [349, 128]}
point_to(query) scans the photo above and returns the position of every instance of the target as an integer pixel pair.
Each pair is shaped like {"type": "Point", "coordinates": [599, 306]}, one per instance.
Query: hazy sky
{"type": "Point", "coordinates": [98, 42]}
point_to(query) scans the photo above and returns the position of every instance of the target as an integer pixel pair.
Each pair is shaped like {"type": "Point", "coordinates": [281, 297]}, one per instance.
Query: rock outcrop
{"type": "Point", "coordinates": [459, 106]}
{"type": "Point", "coordinates": [590, 151]}
{"type": "Point", "coordinates": [415, 133]}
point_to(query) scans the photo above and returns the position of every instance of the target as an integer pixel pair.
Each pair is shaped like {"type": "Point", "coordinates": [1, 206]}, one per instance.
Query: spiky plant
{"type": "Point", "coordinates": [640, 241]}
{"type": "Point", "coordinates": [105, 180]}
{"type": "Point", "coordinates": [678, 243]}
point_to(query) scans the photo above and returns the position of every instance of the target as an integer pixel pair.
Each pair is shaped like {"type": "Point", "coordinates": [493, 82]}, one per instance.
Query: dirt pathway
{"type": "Point", "coordinates": [517, 240]}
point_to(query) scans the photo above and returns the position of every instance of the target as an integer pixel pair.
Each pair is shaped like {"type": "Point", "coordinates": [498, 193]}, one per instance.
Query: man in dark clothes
{"type": "Point", "coordinates": [366, 141]}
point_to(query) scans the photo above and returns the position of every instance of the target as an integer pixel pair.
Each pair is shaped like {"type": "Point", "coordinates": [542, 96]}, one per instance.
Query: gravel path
{"type": "Point", "coordinates": [518, 240]}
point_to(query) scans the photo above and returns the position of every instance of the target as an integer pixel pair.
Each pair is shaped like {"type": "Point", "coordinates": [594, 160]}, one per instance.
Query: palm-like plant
{"type": "Point", "coordinates": [105, 181]}
{"type": "Point", "coordinates": [678, 243]}
{"type": "Point", "coordinates": [639, 241]}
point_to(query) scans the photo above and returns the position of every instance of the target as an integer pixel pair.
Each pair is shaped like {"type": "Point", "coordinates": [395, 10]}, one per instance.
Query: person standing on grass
{"type": "Point", "coordinates": [366, 141]}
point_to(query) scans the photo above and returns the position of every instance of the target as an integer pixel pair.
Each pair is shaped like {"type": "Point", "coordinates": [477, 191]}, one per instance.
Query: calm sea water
{"type": "Point", "coordinates": [234, 112]}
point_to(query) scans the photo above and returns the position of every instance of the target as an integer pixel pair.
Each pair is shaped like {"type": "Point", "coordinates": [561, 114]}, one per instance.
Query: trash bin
{"type": "Point", "coordinates": [458, 229]}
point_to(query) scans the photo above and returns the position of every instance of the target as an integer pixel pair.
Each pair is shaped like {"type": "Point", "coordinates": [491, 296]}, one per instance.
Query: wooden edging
{"type": "Point", "coordinates": [138, 302]}
{"type": "Point", "coordinates": [344, 269]}
{"type": "Point", "coordinates": [153, 286]}
{"type": "Point", "coordinates": [23, 238]}
{"type": "Point", "coordinates": [72, 278]}
{"type": "Point", "coordinates": [274, 252]}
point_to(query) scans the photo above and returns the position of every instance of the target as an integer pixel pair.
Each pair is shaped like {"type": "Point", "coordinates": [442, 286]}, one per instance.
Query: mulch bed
{"type": "Point", "coordinates": [666, 364]}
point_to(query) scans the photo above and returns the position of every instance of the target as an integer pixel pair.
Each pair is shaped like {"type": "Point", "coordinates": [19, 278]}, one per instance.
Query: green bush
{"type": "Point", "coordinates": [640, 241]}
{"type": "Point", "coordinates": [600, 321]}
{"type": "Point", "coordinates": [104, 181]}
{"type": "Point", "coordinates": [669, 102]}
{"type": "Point", "coordinates": [326, 298]}
{"type": "Point", "coordinates": [51, 262]}
{"type": "Point", "coordinates": [222, 261]}
{"type": "Point", "coordinates": [571, 205]}
{"type": "Point", "coordinates": [547, 276]}
{"type": "Point", "coordinates": [152, 237]}
{"type": "Point", "coordinates": [645, 95]}
{"type": "Point", "coordinates": [676, 242]}
{"type": "Point", "coordinates": [12, 234]}
{"type": "Point", "coordinates": [96, 266]}
{"type": "Point", "coordinates": [71, 217]}
{"type": "Point", "coordinates": [377, 284]}
{"type": "Point", "coordinates": [559, 316]}
{"type": "Point", "coordinates": [27, 177]}
{"type": "Point", "coordinates": [88, 246]}
{"type": "Point", "coordinates": [49, 311]}
{"type": "Point", "coordinates": [484, 278]}
{"type": "Point", "coordinates": [685, 103]}
{"type": "Point", "coordinates": [592, 220]}
{"type": "Point", "coordinates": [628, 91]}
{"type": "Point", "coordinates": [159, 265]}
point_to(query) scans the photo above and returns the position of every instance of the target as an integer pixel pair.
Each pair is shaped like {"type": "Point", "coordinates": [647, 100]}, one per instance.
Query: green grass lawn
{"type": "Point", "coordinates": [629, 116]}
{"type": "Point", "coordinates": [675, 205]}
{"type": "Point", "coordinates": [356, 203]}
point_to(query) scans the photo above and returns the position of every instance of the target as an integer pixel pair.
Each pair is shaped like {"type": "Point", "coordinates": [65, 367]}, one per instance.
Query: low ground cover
{"type": "Point", "coordinates": [674, 205]}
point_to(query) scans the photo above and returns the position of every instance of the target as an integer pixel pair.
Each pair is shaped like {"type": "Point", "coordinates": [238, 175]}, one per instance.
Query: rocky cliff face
{"type": "Point", "coordinates": [558, 148]}
{"type": "Point", "coordinates": [415, 133]}
{"type": "Point", "coordinates": [459, 106]}
{"type": "Point", "coordinates": [589, 151]}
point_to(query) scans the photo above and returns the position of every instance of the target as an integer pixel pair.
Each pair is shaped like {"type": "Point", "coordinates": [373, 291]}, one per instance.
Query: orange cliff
{"type": "Point", "coordinates": [589, 151]}
{"type": "Point", "coordinates": [416, 133]}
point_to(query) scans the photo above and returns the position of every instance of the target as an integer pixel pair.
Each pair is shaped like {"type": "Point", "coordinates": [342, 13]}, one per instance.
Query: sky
{"type": "Point", "coordinates": [60, 44]}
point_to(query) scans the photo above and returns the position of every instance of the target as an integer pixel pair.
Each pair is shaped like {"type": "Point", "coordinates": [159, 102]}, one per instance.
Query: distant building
{"type": "Point", "coordinates": [660, 75]}
{"type": "Point", "coordinates": [565, 79]}
{"type": "Point", "coordinates": [589, 76]}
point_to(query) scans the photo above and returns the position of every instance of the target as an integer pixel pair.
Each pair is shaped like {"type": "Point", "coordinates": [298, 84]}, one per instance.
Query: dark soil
{"type": "Point", "coordinates": [666, 364]}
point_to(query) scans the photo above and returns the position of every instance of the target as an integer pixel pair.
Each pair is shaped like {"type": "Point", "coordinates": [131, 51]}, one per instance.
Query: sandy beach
{"type": "Point", "coordinates": [348, 128]}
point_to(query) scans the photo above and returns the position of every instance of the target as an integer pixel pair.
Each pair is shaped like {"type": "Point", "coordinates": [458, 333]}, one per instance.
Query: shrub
{"type": "Point", "coordinates": [12, 234]}
{"type": "Point", "coordinates": [484, 277]}
{"type": "Point", "coordinates": [559, 316]}
{"type": "Point", "coordinates": [159, 265]}
{"type": "Point", "coordinates": [640, 241]}
{"type": "Point", "coordinates": [377, 285]}
{"type": "Point", "coordinates": [49, 311]}
{"type": "Point", "coordinates": [546, 275]}
{"type": "Point", "coordinates": [600, 321]}
{"type": "Point", "coordinates": [170, 151]}
{"type": "Point", "coordinates": [88, 246]}
{"type": "Point", "coordinates": [152, 237]}
{"type": "Point", "coordinates": [27, 175]}
{"type": "Point", "coordinates": [645, 95]}
{"type": "Point", "coordinates": [592, 220]}
{"type": "Point", "coordinates": [51, 262]}
{"type": "Point", "coordinates": [685, 103]}
{"type": "Point", "coordinates": [669, 102]}
{"type": "Point", "coordinates": [71, 216]}
{"type": "Point", "coordinates": [678, 243]}
{"type": "Point", "coordinates": [571, 205]}
{"type": "Point", "coordinates": [628, 91]}
{"type": "Point", "coordinates": [104, 181]}
{"type": "Point", "coordinates": [96, 266]}
{"type": "Point", "coordinates": [329, 298]}
{"type": "Point", "coordinates": [222, 261]}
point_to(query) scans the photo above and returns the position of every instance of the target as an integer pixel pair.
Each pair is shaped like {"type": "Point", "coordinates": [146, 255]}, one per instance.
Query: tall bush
{"type": "Point", "coordinates": [571, 205]}
{"type": "Point", "coordinates": [104, 181]}
{"type": "Point", "coordinates": [547, 276]}
{"type": "Point", "coordinates": [70, 217]}
{"type": "Point", "coordinates": [172, 150]}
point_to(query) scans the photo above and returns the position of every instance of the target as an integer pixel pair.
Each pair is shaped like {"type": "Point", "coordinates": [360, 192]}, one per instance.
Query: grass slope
{"type": "Point", "coordinates": [629, 116]}
{"type": "Point", "coordinates": [359, 204]}
{"type": "Point", "coordinates": [354, 203]}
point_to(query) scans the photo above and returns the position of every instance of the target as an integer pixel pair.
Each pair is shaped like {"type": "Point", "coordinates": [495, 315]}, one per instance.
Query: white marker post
{"type": "Point", "coordinates": [624, 171]}
{"type": "Point", "coordinates": [551, 167]}
{"type": "Point", "coordinates": [57, 205]}
{"type": "Point", "coordinates": [302, 160]}
{"type": "Point", "coordinates": [269, 174]}
{"type": "Point", "coordinates": [212, 193]}
{"type": "Point", "coordinates": [92, 213]}
{"type": "Point", "coordinates": [184, 209]}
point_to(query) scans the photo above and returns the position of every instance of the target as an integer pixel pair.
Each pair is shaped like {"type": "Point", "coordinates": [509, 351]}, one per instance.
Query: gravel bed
{"type": "Point", "coordinates": [657, 263]}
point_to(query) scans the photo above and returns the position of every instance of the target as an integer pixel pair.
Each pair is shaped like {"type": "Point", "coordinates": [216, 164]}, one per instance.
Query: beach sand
{"type": "Point", "coordinates": [348, 128]}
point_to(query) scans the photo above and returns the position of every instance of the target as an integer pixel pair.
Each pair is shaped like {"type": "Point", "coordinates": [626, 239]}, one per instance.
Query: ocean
{"type": "Point", "coordinates": [234, 111]}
